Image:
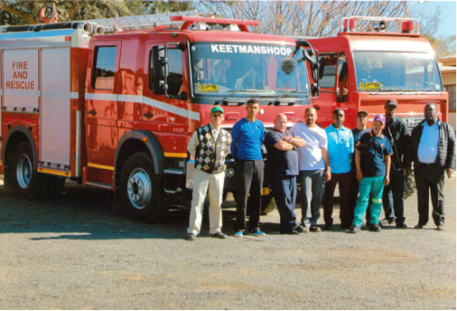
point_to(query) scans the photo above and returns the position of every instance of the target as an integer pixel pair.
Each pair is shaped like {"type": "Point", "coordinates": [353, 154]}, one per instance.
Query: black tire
{"type": "Point", "coordinates": [140, 195]}
{"type": "Point", "coordinates": [268, 205]}
{"type": "Point", "coordinates": [25, 180]}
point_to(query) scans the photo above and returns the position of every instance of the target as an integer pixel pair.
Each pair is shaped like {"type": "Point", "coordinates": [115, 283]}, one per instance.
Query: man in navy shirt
{"type": "Point", "coordinates": [373, 167]}
{"type": "Point", "coordinates": [247, 139]}
{"type": "Point", "coordinates": [281, 170]}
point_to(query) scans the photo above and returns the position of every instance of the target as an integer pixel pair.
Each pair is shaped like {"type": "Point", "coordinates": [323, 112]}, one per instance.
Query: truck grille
{"type": "Point", "coordinates": [412, 121]}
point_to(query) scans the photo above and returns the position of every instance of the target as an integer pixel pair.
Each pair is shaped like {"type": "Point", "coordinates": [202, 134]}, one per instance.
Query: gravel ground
{"type": "Point", "coordinates": [74, 253]}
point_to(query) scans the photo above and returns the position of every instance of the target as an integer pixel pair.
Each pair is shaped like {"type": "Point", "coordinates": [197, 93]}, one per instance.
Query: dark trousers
{"type": "Point", "coordinates": [430, 180]}
{"type": "Point", "coordinates": [312, 188]}
{"type": "Point", "coordinates": [344, 185]}
{"type": "Point", "coordinates": [250, 181]}
{"type": "Point", "coordinates": [284, 190]}
{"type": "Point", "coordinates": [392, 198]}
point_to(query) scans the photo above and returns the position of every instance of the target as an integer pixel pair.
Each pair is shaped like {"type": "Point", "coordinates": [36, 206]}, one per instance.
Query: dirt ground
{"type": "Point", "coordinates": [74, 253]}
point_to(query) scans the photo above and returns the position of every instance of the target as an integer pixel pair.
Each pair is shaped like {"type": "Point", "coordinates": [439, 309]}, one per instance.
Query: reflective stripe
{"type": "Point", "coordinates": [147, 101]}
{"type": "Point", "coordinates": [376, 200]}
{"type": "Point", "coordinates": [98, 96]}
{"type": "Point", "coordinates": [28, 93]}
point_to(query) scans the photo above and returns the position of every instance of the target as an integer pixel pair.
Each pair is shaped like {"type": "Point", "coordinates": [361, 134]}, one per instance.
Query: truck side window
{"type": "Point", "coordinates": [327, 80]}
{"type": "Point", "coordinates": [175, 72]}
{"type": "Point", "coordinates": [104, 67]}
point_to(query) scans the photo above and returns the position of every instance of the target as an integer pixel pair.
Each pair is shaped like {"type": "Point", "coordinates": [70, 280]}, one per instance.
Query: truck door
{"type": "Point", "coordinates": [328, 83]}
{"type": "Point", "coordinates": [55, 107]}
{"type": "Point", "coordinates": [165, 109]}
{"type": "Point", "coordinates": [101, 105]}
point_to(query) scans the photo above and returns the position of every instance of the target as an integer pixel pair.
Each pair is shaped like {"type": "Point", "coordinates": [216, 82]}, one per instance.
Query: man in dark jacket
{"type": "Point", "coordinates": [433, 153]}
{"type": "Point", "coordinates": [396, 132]}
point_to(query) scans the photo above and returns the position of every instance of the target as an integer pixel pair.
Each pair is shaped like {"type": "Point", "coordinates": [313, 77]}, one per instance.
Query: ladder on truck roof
{"type": "Point", "coordinates": [139, 22]}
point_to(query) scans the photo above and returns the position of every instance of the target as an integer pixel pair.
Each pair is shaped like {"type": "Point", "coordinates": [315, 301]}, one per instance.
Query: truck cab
{"type": "Point", "coordinates": [360, 69]}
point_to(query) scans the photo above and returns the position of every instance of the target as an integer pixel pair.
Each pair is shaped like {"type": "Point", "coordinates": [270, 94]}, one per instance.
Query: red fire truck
{"type": "Point", "coordinates": [360, 70]}
{"type": "Point", "coordinates": [112, 103]}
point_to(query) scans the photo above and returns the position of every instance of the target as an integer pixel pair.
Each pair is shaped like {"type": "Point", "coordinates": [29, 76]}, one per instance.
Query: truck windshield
{"type": "Point", "coordinates": [220, 69]}
{"type": "Point", "coordinates": [396, 71]}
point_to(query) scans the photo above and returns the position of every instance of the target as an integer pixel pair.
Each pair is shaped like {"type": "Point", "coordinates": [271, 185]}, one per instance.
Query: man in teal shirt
{"type": "Point", "coordinates": [340, 150]}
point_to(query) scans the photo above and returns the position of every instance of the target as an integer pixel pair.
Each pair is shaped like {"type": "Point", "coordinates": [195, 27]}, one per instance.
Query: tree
{"type": "Point", "coordinates": [442, 45]}
{"type": "Point", "coordinates": [15, 12]}
{"type": "Point", "coordinates": [303, 18]}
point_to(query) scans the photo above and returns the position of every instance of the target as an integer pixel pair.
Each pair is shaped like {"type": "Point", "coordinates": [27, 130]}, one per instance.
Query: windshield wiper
{"type": "Point", "coordinates": [227, 96]}
{"type": "Point", "coordinates": [284, 94]}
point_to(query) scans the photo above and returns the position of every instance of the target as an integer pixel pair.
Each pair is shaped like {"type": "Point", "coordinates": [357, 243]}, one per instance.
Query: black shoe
{"type": "Point", "coordinates": [328, 227]}
{"type": "Point", "coordinates": [218, 235]}
{"type": "Point", "coordinates": [315, 229]}
{"type": "Point", "coordinates": [401, 225]}
{"type": "Point", "coordinates": [418, 226]}
{"type": "Point", "coordinates": [300, 229]}
{"type": "Point", "coordinates": [387, 221]}
{"type": "Point", "coordinates": [353, 229]}
{"type": "Point", "coordinates": [375, 228]}
{"type": "Point", "coordinates": [191, 237]}
{"type": "Point", "coordinates": [440, 228]}
{"type": "Point", "coordinates": [292, 232]}
{"type": "Point", "coordinates": [345, 227]}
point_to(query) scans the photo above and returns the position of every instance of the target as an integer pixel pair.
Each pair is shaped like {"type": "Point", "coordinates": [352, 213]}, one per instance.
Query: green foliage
{"type": "Point", "coordinates": [26, 12]}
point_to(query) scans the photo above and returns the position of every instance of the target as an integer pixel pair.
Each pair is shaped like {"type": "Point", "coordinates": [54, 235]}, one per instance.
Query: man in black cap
{"type": "Point", "coordinates": [396, 132]}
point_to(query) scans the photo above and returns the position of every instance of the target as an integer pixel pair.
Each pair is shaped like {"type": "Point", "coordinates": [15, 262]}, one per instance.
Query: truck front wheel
{"type": "Point", "coordinates": [140, 195]}
{"type": "Point", "coordinates": [26, 181]}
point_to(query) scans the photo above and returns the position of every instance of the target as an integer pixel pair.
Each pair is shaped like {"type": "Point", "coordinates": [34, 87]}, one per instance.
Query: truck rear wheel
{"type": "Point", "coordinates": [140, 195]}
{"type": "Point", "coordinates": [26, 181]}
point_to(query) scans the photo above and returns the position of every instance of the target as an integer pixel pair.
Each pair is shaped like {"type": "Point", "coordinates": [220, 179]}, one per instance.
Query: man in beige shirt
{"type": "Point", "coordinates": [209, 146]}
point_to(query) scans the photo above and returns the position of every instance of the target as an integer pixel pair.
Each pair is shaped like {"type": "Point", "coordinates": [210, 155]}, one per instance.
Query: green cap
{"type": "Point", "coordinates": [217, 109]}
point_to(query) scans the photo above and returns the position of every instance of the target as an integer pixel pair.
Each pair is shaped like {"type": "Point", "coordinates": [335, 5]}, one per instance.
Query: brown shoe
{"type": "Point", "coordinates": [219, 235]}
{"type": "Point", "coordinates": [191, 237]}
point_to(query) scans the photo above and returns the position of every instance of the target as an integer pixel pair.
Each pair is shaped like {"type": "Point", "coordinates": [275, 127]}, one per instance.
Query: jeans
{"type": "Point", "coordinates": [312, 186]}
{"type": "Point", "coordinates": [392, 198]}
{"type": "Point", "coordinates": [284, 190]}
{"type": "Point", "coordinates": [375, 186]}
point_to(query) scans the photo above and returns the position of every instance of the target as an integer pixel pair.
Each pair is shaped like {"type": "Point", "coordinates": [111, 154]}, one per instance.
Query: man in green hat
{"type": "Point", "coordinates": [209, 146]}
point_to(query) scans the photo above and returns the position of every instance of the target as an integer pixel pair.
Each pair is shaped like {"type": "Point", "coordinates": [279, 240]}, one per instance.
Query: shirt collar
{"type": "Point", "coordinates": [426, 124]}
{"type": "Point", "coordinates": [211, 126]}
{"type": "Point", "coordinates": [373, 135]}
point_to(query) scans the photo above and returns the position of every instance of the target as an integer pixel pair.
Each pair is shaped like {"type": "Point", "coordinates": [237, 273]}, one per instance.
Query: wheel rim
{"type": "Point", "coordinates": [24, 171]}
{"type": "Point", "coordinates": [139, 188]}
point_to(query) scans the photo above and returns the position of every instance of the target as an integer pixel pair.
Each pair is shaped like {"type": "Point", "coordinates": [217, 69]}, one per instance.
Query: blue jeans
{"type": "Point", "coordinates": [312, 189]}
{"type": "Point", "coordinates": [375, 186]}
{"type": "Point", "coordinates": [284, 190]}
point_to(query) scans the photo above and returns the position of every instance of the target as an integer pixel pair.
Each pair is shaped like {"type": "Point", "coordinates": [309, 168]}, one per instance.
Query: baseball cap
{"type": "Point", "coordinates": [392, 102]}
{"type": "Point", "coordinates": [362, 111]}
{"type": "Point", "coordinates": [380, 117]}
{"type": "Point", "coordinates": [217, 109]}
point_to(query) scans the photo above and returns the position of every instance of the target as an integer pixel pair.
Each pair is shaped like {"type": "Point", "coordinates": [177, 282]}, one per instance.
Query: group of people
{"type": "Point", "coordinates": [368, 165]}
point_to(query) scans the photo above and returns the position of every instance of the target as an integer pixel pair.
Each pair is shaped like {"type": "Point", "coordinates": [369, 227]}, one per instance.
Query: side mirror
{"type": "Point", "coordinates": [183, 96]}
{"type": "Point", "coordinates": [321, 68]}
{"type": "Point", "coordinates": [315, 89]}
{"type": "Point", "coordinates": [157, 72]}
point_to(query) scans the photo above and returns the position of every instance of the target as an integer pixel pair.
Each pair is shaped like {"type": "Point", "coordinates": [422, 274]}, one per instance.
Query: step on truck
{"type": "Point", "coordinates": [112, 103]}
{"type": "Point", "coordinates": [361, 69]}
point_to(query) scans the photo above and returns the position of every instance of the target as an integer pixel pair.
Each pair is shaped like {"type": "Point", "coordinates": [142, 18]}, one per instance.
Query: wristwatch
{"type": "Point", "coordinates": [291, 140]}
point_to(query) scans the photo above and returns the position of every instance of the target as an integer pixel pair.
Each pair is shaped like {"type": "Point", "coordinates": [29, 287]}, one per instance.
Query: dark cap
{"type": "Point", "coordinates": [362, 111]}
{"type": "Point", "coordinates": [392, 102]}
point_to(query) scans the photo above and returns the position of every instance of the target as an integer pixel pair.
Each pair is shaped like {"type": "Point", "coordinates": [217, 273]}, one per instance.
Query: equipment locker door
{"type": "Point", "coordinates": [55, 107]}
